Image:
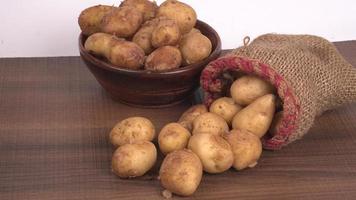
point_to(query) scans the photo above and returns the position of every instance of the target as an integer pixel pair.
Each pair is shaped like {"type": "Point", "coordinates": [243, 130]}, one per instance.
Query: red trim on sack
{"type": "Point", "coordinates": [277, 80]}
{"type": "Point", "coordinates": [264, 70]}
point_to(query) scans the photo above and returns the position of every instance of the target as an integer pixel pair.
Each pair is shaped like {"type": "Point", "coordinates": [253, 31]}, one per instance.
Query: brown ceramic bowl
{"type": "Point", "coordinates": [150, 89]}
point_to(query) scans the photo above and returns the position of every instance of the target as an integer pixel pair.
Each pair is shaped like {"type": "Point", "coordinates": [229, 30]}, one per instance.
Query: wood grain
{"type": "Point", "coordinates": [54, 125]}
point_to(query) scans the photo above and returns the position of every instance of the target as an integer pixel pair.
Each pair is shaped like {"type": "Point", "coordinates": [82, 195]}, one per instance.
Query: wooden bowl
{"type": "Point", "coordinates": [150, 89]}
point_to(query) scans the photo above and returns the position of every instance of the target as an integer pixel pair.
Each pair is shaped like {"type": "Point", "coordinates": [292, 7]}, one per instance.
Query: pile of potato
{"type": "Point", "coordinates": [212, 140]}
{"type": "Point", "coordinates": [141, 35]}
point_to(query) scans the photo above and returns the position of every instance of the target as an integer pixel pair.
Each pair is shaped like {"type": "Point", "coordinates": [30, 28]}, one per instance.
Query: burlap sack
{"type": "Point", "coordinates": [309, 73]}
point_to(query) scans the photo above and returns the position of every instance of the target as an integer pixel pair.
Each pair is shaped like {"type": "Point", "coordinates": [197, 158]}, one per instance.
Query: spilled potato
{"type": "Point", "coordinates": [256, 117]}
{"type": "Point", "coordinates": [187, 118]}
{"type": "Point", "coordinates": [132, 130]}
{"type": "Point", "coordinates": [225, 107]}
{"type": "Point", "coordinates": [210, 123]}
{"type": "Point", "coordinates": [172, 137]}
{"type": "Point", "coordinates": [181, 172]}
{"type": "Point", "coordinates": [247, 89]}
{"type": "Point", "coordinates": [214, 152]}
{"type": "Point", "coordinates": [132, 160]}
{"type": "Point", "coordinates": [246, 147]}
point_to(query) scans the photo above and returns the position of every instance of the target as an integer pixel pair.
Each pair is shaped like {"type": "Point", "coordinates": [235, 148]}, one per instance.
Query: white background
{"type": "Point", "coordinates": [39, 28]}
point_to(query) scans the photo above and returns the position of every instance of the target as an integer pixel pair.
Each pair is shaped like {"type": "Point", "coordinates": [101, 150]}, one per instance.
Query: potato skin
{"type": "Point", "coordinates": [210, 123]}
{"type": "Point", "coordinates": [163, 59]}
{"type": "Point", "coordinates": [146, 7]}
{"type": "Point", "coordinates": [194, 30]}
{"type": "Point", "coordinates": [119, 52]}
{"type": "Point", "coordinates": [132, 129]}
{"type": "Point", "coordinates": [122, 21]}
{"type": "Point", "coordinates": [143, 37]}
{"type": "Point", "coordinates": [248, 88]}
{"type": "Point", "coordinates": [165, 33]}
{"type": "Point", "coordinates": [125, 54]}
{"type": "Point", "coordinates": [181, 172]}
{"type": "Point", "coordinates": [89, 19]}
{"type": "Point", "coordinates": [195, 47]}
{"type": "Point", "coordinates": [187, 118]}
{"type": "Point", "coordinates": [246, 147]}
{"type": "Point", "coordinates": [214, 152]}
{"type": "Point", "coordinates": [100, 44]}
{"type": "Point", "coordinates": [183, 14]}
{"type": "Point", "coordinates": [172, 137]}
{"type": "Point", "coordinates": [256, 117]}
{"type": "Point", "coordinates": [132, 160]}
{"type": "Point", "coordinates": [225, 107]}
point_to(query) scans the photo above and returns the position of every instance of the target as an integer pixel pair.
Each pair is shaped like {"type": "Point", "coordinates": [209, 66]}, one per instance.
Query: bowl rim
{"type": "Point", "coordinates": [108, 66]}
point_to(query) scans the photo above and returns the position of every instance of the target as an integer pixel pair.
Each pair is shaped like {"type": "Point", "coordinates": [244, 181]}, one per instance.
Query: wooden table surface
{"type": "Point", "coordinates": [54, 126]}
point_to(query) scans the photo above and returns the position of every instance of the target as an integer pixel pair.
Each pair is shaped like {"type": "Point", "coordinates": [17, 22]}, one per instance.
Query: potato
{"type": "Point", "coordinates": [125, 54]}
{"type": "Point", "coordinates": [214, 152]}
{"type": "Point", "coordinates": [122, 21]}
{"type": "Point", "coordinates": [143, 36]}
{"type": "Point", "coordinates": [121, 53]}
{"type": "Point", "coordinates": [276, 122]}
{"type": "Point", "coordinates": [89, 19]}
{"type": "Point", "coordinates": [132, 130]}
{"type": "Point", "coordinates": [146, 7]}
{"type": "Point", "coordinates": [246, 147]}
{"type": "Point", "coordinates": [195, 47]}
{"type": "Point", "coordinates": [248, 88]}
{"type": "Point", "coordinates": [100, 44]}
{"type": "Point", "coordinates": [187, 118]}
{"type": "Point", "coordinates": [172, 137]}
{"type": "Point", "coordinates": [181, 172]}
{"type": "Point", "coordinates": [165, 33]}
{"type": "Point", "coordinates": [210, 123]}
{"type": "Point", "coordinates": [132, 160]}
{"type": "Point", "coordinates": [225, 107]}
{"type": "Point", "coordinates": [256, 117]}
{"type": "Point", "coordinates": [194, 30]}
{"type": "Point", "coordinates": [182, 13]}
{"type": "Point", "coordinates": [163, 59]}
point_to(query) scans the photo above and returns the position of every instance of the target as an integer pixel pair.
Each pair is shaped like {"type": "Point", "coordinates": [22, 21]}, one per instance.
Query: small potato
{"type": "Point", "coordinates": [225, 107]}
{"type": "Point", "coordinates": [173, 137]}
{"type": "Point", "coordinates": [194, 30]}
{"type": "Point", "coordinates": [246, 147]}
{"type": "Point", "coordinates": [247, 89]}
{"type": "Point", "coordinates": [276, 122]}
{"type": "Point", "coordinates": [143, 36]}
{"type": "Point", "coordinates": [210, 123]}
{"type": "Point", "coordinates": [132, 130]}
{"type": "Point", "coordinates": [121, 53]}
{"type": "Point", "coordinates": [187, 118]}
{"type": "Point", "coordinates": [165, 33]}
{"type": "Point", "coordinates": [132, 160]}
{"type": "Point", "coordinates": [195, 47]}
{"type": "Point", "coordinates": [181, 172]}
{"type": "Point", "coordinates": [100, 44]}
{"type": "Point", "coordinates": [146, 7]}
{"type": "Point", "coordinates": [214, 152]}
{"type": "Point", "coordinates": [256, 117]}
{"type": "Point", "coordinates": [122, 21]}
{"type": "Point", "coordinates": [163, 59]}
{"type": "Point", "coordinates": [125, 54]}
{"type": "Point", "coordinates": [180, 12]}
{"type": "Point", "coordinates": [89, 19]}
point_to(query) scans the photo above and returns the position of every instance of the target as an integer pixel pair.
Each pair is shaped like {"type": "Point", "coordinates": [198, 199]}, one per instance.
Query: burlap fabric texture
{"type": "Point", "coordinates": [308, 72]}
